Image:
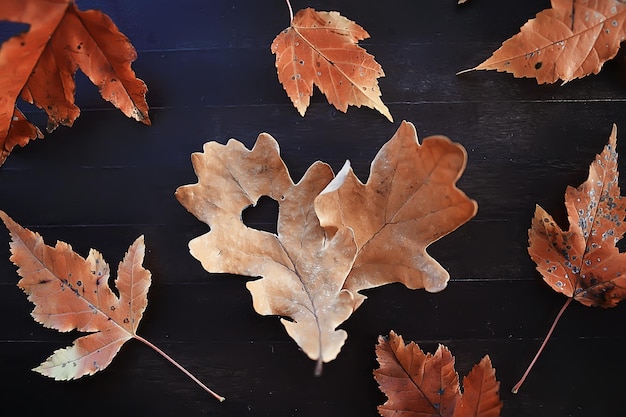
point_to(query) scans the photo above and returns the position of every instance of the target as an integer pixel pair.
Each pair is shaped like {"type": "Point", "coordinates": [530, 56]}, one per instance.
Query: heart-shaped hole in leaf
{"type": "Point", "coordinates": [263, 215]}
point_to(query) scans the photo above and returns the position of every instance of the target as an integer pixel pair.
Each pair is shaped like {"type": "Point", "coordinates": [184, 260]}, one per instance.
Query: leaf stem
{"type": "Point", "coordinates": [545, 341]}
{"type": "Point", "coordinates": [318, 367]}
{"type": "Point", "coordinates": [176, 364]}
{"type": "Point", "coordinates": [290, 12]}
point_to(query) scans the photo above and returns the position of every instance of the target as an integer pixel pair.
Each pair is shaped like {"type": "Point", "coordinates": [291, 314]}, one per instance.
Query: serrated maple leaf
{"type": "Point", "coordinates": [72, 293]}
{"type": "Point", "coordinates": [571, 40]}
{"type": "Point", "coordinates": [306, 268]}
{"type": "Point", "coordinates": [320, 48]}
{"type": "Point", "coordinates": [39, 65]}
{"type": "Point", "coordinates": [427, 385]}
{"type": "Point", "coordinates": [583, 262]}
{"type": "Point", "coordinates": [409, 201]}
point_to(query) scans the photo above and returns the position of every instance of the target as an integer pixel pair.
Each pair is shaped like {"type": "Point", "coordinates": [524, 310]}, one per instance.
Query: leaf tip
{"type": "Point", "coordinates": [339, 179]}
{"type": "Point", "coordinates": [613, 137]}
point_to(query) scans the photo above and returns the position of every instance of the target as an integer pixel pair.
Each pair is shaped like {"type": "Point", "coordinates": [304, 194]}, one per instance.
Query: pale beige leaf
{"type": "Point", "coordinates": [302, 272]}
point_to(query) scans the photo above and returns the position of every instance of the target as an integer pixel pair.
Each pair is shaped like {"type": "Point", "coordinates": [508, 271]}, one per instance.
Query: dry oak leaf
{"type": "Point", "coordinates": [308, 268]}
{"type": "Point", "coordinates": [302, 270]}
{"type": "Point", "coordinates": [409, 201]}
{"type": "Point", "coordinates": [73, 293]}
{"type": "Point", "coordinates": [571, 40]}
{"type": "Point", "coordinates": [584, 263]}
{"type": "Point", "coordinates": [427, 385]}
{"type": "Point", "coordinates": [39, 65]}
{"type": "Point", "coordinates": [321, 48]}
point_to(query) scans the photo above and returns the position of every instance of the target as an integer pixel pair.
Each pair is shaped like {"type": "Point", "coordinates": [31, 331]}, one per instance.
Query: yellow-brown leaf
{"type": "Point", "coordinates": [409, 201]}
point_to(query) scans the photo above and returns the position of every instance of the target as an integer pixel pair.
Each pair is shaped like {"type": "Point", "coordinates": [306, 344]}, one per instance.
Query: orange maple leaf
{"type": "Point", "coordinates": [333, 238]}
{"type": "Point", "coordinates": [73, 293]}
{"type": "Point", "coordinates": [427, 385]}
{"type": "Point", "coordinates": [584, 263]}
{"type": "Point", "coordinates": [39, 65]}
{"type": "Point", "coordinates": [572, 39]}
{"type": "Point", "coordinates": [321, 48]}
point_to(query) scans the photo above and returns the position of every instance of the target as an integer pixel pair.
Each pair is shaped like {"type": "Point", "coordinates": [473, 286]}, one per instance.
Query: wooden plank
{"type": "Point", "coordinates": [211, 76]}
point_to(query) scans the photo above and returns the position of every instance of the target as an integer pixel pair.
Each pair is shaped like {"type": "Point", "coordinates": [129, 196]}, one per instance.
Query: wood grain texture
{"type": "Point", "coordinates": [211, 76]}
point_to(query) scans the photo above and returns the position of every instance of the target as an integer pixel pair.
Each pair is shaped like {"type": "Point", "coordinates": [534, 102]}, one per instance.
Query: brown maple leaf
{"type": "Point", "coordinates": [427, 385]}
{"type": "Point", "coordinates": [39, 65]}
{"type": "Point", "coordinates": [308, 268]}
{"type": "Point", "coordinates": [73, 293]}
{"type": "Point", "coordinates": [572, 39]}
{"type": "Point", "coordinates": [321, 48]}
{"type": "Point", "coordinates": [584, 262]}
{"type": "Point", "coordinates": [409, 201]}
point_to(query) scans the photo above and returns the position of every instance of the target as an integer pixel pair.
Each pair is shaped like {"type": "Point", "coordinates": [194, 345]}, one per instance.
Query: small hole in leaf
{"type": "Point", "coordinates": [538, 65]}
{"type": "Point", "coordinates": [263, 216]}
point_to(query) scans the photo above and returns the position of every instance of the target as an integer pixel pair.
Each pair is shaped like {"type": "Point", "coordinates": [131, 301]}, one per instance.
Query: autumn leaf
{"type": "Point", "coordinates": [308, 270]}
{"type": "Point", "coordinates": [321, 48]}
{"type": "Point", "coordinates": [39, 66]}
{"type": "Point", "coordinates": [409, 201]}
{"type": "Point", "coordinates": [420, 384]}
{"type": "Point", "coordinates": [583, 262]}
{"type": "Point", "coordinates": [73, 293]}
{"type": "Point", "coordinates": [571, 40]}
{"type": "Point", "coordinates": [302, 271]}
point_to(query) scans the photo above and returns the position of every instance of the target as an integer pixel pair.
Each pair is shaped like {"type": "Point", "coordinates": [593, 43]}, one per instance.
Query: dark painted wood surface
{"type": "Point", "coordinates": [211, 76]}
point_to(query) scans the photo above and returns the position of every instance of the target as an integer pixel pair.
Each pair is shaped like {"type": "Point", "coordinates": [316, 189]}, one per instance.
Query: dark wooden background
{"type": "Point", "coordinates": [211, 76]}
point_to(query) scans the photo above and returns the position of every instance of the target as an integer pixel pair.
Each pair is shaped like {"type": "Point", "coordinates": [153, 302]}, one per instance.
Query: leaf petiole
{"type": "Point", "coordinates": [545, 341]}
{"type": "Point", "coordinates": [179, 366]}
{"type": "Point", "coordinates": [290, 12]}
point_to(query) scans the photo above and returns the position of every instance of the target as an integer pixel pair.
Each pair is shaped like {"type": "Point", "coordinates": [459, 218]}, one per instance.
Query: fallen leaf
{"type": "Point", "coordinates": [571, 40]}
{"type": "Point", "coordinates": [73, 293]}
{"type": "Point", "coordinates": [409, 201]}
{"type": "Point", "coordinates": [39, 65]}
{"type": "Point", "coordinates": [306, 269]}
{"type": "Point", "coordinates": [321, 48]}
{"type": "Point", "coordinates": [302, 271]}
{"type": "Point", "coordinates": [420, 384]}
{"type": "Point", "coordinates": [583, 263]}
